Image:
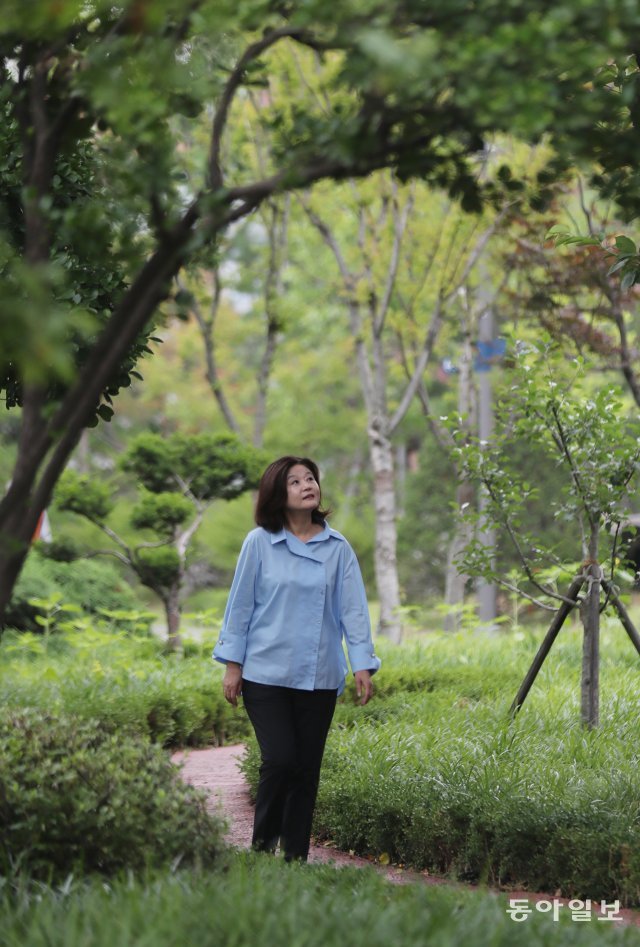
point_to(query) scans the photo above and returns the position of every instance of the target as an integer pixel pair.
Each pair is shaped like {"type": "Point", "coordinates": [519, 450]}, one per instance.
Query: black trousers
{"type": "Point", "coordinates": [291, 727]}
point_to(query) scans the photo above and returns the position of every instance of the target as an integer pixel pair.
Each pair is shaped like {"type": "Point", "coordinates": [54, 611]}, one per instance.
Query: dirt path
{"type": "Point", "coordinates": [216, 771]}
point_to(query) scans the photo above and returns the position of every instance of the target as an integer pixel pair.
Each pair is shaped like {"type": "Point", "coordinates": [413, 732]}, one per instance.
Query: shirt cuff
{"type": "Point", "coordinates": [362, 658]}
{"type": "Point", "coordinates": [228, 650]}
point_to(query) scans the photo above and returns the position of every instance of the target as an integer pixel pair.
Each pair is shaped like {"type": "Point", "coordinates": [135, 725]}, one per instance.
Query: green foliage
{"type": "Point", "coordinates": [78, 797]}
{"type": "Point", "coordinates": [626, 258]}
{"type": "Point", "coordinates": [85, 495]}
{"type": "Point", "coordinates": [53, 315]}
{"type": "Point", "coordinates": [158, 568]}
{"type": "Point", "coordinates": [585, 435]}
{"type": "Point", "coordinates": [161, 512]}
{"type": "Point", "coordinates": [86, 583]}
{"type": "Point", "coordinates": [109, 669]}
{"type": "Point", "coordinates": [434, 773]}
{"type": "Point", "coordinates": [315, 905]}
{"type": "Point", "coordinates": [181, 475]}
{"type": "Point", "coordinates": [209, 466]}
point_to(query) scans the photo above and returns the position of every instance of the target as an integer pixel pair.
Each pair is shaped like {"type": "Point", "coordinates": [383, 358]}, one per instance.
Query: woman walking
{"type": "Point", "coordinates": [296, 592]}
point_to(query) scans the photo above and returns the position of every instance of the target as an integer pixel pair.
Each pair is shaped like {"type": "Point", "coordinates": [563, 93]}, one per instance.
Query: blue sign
{"type": "Point", "coordinates": [489, 354]}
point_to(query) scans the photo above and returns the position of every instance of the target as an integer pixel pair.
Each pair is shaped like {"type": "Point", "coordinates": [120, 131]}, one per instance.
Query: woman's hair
{"type": "Point", "coordinates": [272, 494]}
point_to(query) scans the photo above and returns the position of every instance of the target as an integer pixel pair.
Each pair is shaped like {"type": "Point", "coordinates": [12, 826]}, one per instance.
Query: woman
{"type": "Point", "coordinates": [296, 591]}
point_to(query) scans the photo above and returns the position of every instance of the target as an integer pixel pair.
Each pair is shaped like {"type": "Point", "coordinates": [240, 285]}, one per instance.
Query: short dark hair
{"type": "Point", "coordinates": [272, 493]}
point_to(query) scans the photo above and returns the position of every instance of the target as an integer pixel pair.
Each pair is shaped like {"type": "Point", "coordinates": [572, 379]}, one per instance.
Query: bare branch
{"type": "Point", "coordinates": [564, 446]}
{"type": "Point", "coordinates": [400, 220]}
{"type": "Point", "coordinates": [441, 435]}
{"type": "Point", "coordinates": [477, 252]}
{"type": "Point", "coordinates": [277, 230]}
{"type": "Point", "coordinates": [421, 363]}
{"type": "Point", "coordinates": [514, 588]}
{"type": "Point", "coordinates": [331, 241]}
{"type": "Point", "coordinates": [107, 552]}
{"type": "Point", "coordinates": [206, 324]}
{"type": "Point", "coordinates": [183, 539]}
{"type": "Point", "coordinates": [521, 556]}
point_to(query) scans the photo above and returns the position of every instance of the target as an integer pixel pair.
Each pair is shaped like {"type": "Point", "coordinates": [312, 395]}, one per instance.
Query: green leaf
{"type": "Point", "coordinates": [626, 245]}
{"type": "Point", "coordinates": [628, 279]}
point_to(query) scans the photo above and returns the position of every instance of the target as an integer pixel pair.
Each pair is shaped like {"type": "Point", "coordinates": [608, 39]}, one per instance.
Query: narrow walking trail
{"type": "Point", "coordinates": [216, 770]}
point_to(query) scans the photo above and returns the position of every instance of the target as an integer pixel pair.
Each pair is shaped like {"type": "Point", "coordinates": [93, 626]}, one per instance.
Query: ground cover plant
{"type": "Point", "coordinates": [100, 671]}
{"type": "Point", "coordinates": [434, 772]}
{"type": "Point", "coordinates": [262, 901]}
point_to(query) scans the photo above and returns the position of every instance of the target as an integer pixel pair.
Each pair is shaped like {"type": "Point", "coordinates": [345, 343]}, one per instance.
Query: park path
{"type": "Point", "coordinates": [216, 770]}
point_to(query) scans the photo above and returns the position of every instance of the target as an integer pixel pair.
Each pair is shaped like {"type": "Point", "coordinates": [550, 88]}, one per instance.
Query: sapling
{"type": "Point", "coordinates": [589, 436]}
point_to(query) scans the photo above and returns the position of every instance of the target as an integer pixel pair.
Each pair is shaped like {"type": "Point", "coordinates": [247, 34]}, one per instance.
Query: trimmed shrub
{"type": "Point", "coordinates": [76, 796]}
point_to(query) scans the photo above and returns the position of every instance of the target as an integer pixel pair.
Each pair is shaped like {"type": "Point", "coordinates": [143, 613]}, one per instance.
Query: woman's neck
{"type": "Point", "coordinates": [301, 524]}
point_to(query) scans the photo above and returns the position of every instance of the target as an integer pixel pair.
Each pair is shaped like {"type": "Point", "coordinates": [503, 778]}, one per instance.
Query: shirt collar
{"type": "Point", "coordinates": [326, 533]}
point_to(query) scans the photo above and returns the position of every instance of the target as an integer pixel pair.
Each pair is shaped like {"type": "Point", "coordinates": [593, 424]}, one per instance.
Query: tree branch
{"type": "Point", "coordinates": [400, 221]}
{"type": "Point", "coordinates": [235, 80]}
{"type": "Point", "coordinates": [425, 354]}
{"type": "Point", "coordinates": [207, 326]}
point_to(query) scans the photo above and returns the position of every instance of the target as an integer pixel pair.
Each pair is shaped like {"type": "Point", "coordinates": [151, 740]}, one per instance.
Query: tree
{"type": "Point", "coordinates": [419, 88]}
{"type": "Point", "coordinates": [181, 477]}
{"type": "Point", "coordinates": [401, 254]}
{"type": "Point", "coordinates": [588, 435]}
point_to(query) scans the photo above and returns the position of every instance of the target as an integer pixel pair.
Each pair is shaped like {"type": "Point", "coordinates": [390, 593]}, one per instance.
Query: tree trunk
{"type": "Point", "coordinates": [381, 452]}
{"type": "Point", "coordinates": [590, 614]}
{"type": "Point", "coordinates": [455, 581]}
{"type": "Point", "coordinates": [172, 610]}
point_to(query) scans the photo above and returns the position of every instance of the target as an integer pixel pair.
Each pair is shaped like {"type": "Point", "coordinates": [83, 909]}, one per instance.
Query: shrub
{"type": "Point", "coordinates": [87, 583]}
{"type": "Point", "coordinates": [76, 796]}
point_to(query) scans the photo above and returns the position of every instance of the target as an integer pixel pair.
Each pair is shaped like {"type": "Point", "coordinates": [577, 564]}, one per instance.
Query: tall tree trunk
{"type": "Point", "coordinates": [590, 614]}
{"type": "Point", "coordinates": [455, 581]}
{"type": "Point", "coordinates": [172, 610]}
{"type": "Point", "coordinates": [386, 567]}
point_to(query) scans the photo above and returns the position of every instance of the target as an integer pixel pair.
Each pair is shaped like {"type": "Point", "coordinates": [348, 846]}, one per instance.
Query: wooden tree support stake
{"type": "Point", "coordinates": [590, 682]}
{"type": "Point", "coordinates": [623, 614]}
{"type": "Point", "coordinates": [549, 638]}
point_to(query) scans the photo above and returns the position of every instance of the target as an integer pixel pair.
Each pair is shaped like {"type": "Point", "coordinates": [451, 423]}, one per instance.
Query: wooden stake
{"type": "Point", "coordinates": [623, 614]}
{"type": "Point", "coordinates": [549, 638]}
{"type": "Point", "coordinates": [590, 683]}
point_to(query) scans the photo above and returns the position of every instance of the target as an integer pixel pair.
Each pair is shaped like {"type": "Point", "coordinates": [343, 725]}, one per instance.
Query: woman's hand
{"type": "Point", "coordinates": [232, 682]}
{"type": "Point", "coordinates": [364, 686]}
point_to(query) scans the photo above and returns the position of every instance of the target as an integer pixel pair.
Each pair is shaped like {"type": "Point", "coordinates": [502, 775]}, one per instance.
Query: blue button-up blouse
{"type": "Point", "coordinates": [289, 607]}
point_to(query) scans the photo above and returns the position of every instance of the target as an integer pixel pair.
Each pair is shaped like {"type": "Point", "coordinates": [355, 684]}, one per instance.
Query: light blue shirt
{"type": "Point", "coordinates": [290, 605]}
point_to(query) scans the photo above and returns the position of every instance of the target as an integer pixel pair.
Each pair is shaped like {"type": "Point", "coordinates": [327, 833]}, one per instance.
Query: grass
{"type": "Point", "coordinates": [122, 680]}
{"type": "Point", "coordinates": [261, 901]}
{"type": "Point", "coordinates": [435, 774]}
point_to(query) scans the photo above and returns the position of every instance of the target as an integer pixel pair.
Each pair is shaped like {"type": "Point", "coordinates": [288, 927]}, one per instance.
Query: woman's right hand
{"type": "Point", "coordinates": [232, 682]}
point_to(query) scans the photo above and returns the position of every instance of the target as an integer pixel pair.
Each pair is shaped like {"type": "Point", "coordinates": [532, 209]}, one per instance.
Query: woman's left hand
{"type": "Point", "coordinates": [364, 686]}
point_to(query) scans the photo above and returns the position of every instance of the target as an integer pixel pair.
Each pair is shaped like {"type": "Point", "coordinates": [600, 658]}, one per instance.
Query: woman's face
{"type": "Point", "coordinates": [303, 492]}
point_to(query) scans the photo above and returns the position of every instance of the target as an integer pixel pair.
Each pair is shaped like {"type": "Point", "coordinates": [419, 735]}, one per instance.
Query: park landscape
{"type": "Point", "coordinates": [400, 239]}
